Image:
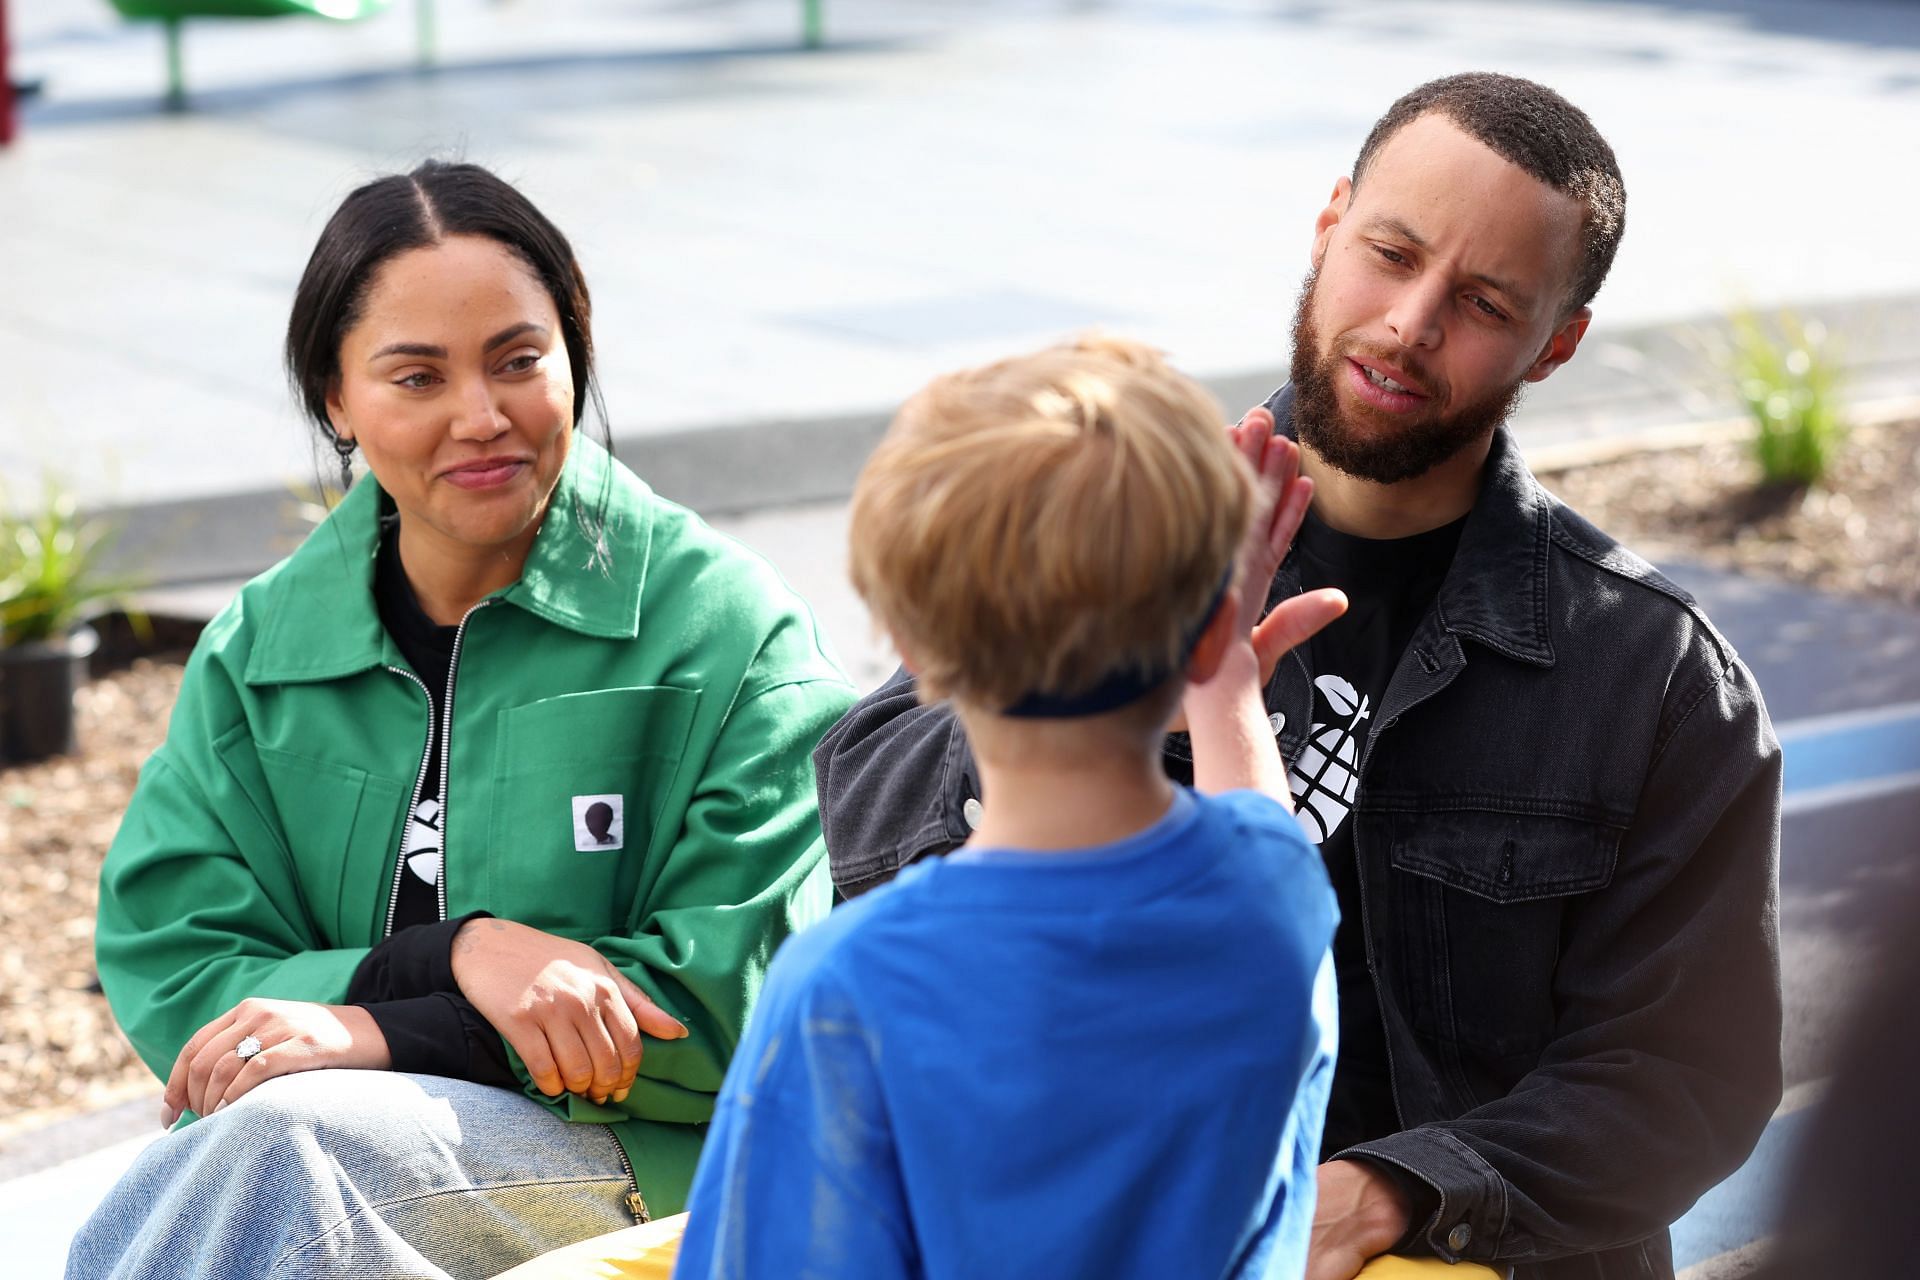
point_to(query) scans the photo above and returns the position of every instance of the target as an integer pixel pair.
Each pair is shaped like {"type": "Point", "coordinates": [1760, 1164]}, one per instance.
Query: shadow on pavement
{"type": "Point", "coordinates": [1872, 24]}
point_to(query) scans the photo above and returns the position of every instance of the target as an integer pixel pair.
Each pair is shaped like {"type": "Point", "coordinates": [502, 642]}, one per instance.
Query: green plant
{"type": "Point", "coordinates": [1789, 379]}
{"type": "Point", "coordinates": [50, 580]}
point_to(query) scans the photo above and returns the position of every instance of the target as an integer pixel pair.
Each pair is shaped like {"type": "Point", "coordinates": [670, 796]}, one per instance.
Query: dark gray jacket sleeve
{"type": "Point", "coordinates": [1664, 1065]}
{"type": "Point", "coordinates": [894, 776]}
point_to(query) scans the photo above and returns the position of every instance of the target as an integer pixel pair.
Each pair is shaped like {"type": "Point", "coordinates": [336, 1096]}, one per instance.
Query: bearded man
{"type": "Point", "coordinates": [1546, 789]}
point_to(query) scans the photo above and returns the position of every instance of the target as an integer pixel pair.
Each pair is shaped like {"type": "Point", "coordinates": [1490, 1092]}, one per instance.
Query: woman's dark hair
{"type": "Point", "coordinates": [400, 212]}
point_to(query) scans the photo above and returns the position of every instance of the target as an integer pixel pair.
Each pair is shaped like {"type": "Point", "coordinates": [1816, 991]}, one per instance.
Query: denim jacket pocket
{"type": "Point", "coordinates": [1479, 899]}
{"type": "Point", "coordinates": [1503, 856]}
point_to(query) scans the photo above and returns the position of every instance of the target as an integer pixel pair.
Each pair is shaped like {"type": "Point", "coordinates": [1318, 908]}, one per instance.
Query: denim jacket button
{"type": "Point", "coordinates": [1460, 1237]}
{"type": "Point", "coordinates": [971, 811]}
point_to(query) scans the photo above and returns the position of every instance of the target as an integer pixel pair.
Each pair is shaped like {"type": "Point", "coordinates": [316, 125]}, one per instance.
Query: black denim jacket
{"type": "Point", "coordinates": [1568, 835]}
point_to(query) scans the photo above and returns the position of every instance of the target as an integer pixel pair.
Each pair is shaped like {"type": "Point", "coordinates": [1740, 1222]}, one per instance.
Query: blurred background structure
{"type": "Point", "coordinates": [783, 241]}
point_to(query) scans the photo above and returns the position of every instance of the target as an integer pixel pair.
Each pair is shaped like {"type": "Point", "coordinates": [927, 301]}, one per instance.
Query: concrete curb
{"type": "Point", "coordinates": [223, 540]}
{"type": "Point", "coordinates": [29, 1150]}
{"type": "Point", "coordinates": [1568, 454]}
{"type": "Point", "coordinates": [1650, 387]}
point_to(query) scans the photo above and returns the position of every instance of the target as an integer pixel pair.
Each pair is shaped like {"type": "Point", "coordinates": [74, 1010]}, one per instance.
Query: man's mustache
{"type": "Point", "coordinates": [1427, 382]}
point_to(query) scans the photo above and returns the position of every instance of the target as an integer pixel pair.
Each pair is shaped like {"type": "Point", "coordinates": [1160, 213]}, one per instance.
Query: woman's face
{"type": "Point", "coordinates": [456, 385]}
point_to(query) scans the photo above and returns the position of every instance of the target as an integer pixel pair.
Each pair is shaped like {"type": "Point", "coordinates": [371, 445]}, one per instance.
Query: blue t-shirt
{"type": "Point", "coordinates": [1111, 1062]}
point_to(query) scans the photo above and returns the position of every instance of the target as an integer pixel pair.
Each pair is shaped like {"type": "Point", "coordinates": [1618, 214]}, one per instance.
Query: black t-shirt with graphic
{"type": "Point", "coordinates": [406, 982]}
{"type": "Point", "coordinates": [1390, 585]}
{"type": "Point", "coordinates": [428, 649]}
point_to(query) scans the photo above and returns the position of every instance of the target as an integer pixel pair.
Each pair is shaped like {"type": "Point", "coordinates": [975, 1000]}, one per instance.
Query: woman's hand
{"type": "Point", "coordinates": [293, 1035]}
{"type": "Point", "coordinates": [572, 1017]}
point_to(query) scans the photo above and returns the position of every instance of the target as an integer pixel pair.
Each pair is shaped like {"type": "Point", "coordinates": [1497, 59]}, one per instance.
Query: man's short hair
{"type": "Point", "coordinates": [1535, 128]}
{"type": "Point", "coordinates": [1043, 523]}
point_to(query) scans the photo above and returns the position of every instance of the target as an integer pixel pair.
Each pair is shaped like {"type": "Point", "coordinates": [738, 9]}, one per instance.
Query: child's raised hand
{"type": "Point", "coordinates": [1280, 504]}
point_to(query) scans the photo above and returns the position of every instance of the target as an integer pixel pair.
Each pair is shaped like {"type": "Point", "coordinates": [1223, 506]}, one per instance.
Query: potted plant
{"type": "Point", "coordinates": [50, 585]}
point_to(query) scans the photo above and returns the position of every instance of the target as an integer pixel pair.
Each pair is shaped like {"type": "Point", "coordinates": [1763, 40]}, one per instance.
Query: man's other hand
{"type": "Point", "coordinates": [1360, 1214]}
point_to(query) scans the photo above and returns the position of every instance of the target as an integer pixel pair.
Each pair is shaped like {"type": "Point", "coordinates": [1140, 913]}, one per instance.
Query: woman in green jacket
{"type": "Point", "coordinates": [479, 816]}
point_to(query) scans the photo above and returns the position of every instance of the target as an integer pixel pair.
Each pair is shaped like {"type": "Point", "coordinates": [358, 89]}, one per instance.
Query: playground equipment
{"type": "Point", "coordinates": [173, 14]}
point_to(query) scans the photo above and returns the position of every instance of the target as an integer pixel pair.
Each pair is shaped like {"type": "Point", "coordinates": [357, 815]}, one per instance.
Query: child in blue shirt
{"type": "Point", "coordinates": [1097, 1039]}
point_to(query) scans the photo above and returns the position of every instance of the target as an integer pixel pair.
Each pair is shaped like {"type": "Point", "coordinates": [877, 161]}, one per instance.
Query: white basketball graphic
{"type": "Point", "coordinates": [1326, 777]}
{"type": "Point", "coordinates": [422, 845]}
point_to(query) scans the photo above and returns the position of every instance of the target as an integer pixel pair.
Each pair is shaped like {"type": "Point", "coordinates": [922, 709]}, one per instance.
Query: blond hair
{"type": "Point", "coordinates": [1043, 523]}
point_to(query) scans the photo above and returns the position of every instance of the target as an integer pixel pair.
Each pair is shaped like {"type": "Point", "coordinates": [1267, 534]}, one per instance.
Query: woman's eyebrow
{"type": "Point", "coordinates": [513, 331]}
{"type": "Point", "coordinates": [435, 352]}
{"type": "Point", "coordinates": [409, 349]}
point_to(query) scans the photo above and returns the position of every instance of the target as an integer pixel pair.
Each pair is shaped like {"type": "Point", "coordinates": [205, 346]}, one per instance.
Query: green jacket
{"type": "Point", "coordinates": [258, 853]}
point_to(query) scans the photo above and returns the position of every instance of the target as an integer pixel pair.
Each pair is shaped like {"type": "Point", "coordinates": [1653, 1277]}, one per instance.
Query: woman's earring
{"type": "Point", "coordinates": [343, 446]}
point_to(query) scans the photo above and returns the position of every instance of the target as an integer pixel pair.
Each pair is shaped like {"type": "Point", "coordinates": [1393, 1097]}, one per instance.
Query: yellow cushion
{"type": "Point", "coordinates": [638, 1253]}
{"type": "Point", "coordinates": [1388, 1267]}
{"type": "Point", "coordinates": [647, 1253]}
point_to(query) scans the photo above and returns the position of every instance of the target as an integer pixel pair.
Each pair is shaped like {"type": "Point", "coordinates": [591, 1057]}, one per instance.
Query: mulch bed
{"type": "Point", "coordinates": [60, 1050]}
{"type": "Point", "coordinates": [1857, 534]}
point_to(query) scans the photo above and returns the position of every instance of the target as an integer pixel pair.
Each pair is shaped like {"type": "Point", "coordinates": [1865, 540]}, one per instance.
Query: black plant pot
{"type": "Point", "coordinates": [37, 683]}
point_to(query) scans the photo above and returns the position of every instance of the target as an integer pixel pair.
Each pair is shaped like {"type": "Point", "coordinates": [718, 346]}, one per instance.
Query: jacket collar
{"type": "Point", "coordinates": [1496, 590]}
{"type": "Point", "coordinates": [321, 620]}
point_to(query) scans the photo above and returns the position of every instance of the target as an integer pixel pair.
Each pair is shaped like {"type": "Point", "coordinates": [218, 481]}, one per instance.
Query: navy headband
{"type": "Point", "coordinates": [1121, 687]}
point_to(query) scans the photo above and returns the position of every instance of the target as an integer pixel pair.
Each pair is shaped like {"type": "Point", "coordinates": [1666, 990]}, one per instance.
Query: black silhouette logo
{"type": "Point", "coordinates": [599, 824]}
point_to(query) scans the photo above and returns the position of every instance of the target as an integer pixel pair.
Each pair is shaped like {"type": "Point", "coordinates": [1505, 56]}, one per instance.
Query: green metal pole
{"type": "Point", "coordinates": [176, 68]}
{"type": "Point", "coordinates": [813, 22]}
{"type": "Point", "coordinates": [426, 29]}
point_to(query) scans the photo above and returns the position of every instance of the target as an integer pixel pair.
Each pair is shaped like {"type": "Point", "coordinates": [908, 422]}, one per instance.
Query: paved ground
{"type": "Point", "coordinates": [777, 235]}
{"type": "Point", "coordinates": [784, 243]}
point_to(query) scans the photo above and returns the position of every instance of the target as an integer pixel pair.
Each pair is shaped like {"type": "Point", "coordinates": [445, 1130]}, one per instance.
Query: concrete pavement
{"type": "Point", "coordinates": [779, 237]}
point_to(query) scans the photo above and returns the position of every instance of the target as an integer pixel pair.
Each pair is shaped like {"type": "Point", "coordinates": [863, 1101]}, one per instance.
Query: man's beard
{"type": "Point", "coordinates": [1398, 452]}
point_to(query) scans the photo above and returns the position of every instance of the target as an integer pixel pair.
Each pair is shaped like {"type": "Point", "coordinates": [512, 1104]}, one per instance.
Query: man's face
{"type": "Point", "coordinates": [1438, 290]}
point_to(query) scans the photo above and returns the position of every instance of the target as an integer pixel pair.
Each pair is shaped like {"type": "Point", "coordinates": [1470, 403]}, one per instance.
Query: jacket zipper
{"type": "Point", "coordinates": [1366, 923]}
{"type": "Point", "coordinates": [446, 745]}
{"type": "Point", "coordinates": [1381, 726]}
{"type": "Point", "coordinates": [1373, 976]}
{"type": "Point", "coordinates": [1359, 867]}
{"type": "Point", "coordinates": [636, 1203]}
{"type": "Point", "coordinates": [420, 782]}
{"type": "Point", "coordinates": [406, 822]}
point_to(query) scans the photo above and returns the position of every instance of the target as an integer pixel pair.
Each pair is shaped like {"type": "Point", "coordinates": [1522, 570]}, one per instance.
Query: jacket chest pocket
{"type": "Point", "coordinates": [579, 794]}
{"type": "Point", "coordinates": [340, 828]}
{"type": "Point", "coordinates": [1478, 897]}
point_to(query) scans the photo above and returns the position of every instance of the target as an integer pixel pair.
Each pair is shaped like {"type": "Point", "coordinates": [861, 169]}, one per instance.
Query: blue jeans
{"type": "Point", "coordinates": [361, 1173]}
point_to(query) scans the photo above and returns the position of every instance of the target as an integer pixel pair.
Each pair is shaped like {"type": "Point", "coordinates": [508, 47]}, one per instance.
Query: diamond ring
{"type": "Point", "coordinates": [247, 1047]}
